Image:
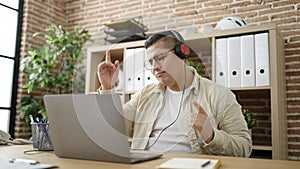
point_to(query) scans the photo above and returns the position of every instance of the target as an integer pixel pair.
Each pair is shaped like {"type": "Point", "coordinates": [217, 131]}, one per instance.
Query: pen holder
{"type": "Point", "coordinates": [41, 136]}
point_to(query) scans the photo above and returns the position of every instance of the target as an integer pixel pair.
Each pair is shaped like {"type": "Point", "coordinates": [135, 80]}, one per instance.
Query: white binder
{"type": "Point", "coordinates": [234, 62]}
{"type": "Point", "coordinates": [129, 69]}
{"type": "Point", "coordinates": [149, 78]}
{"type": "Point", "coordinates": [262, 59]}
{"type": "Point", "coordinates": [139, 70]}
{"type": "Point", "coordinates": [221, 62]}
{"type": "Point", "coordinates": [247, 61]}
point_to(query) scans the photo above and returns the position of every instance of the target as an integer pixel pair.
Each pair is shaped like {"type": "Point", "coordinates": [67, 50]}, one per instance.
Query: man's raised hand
{"type": "Point", "coordinates": [108, 72]}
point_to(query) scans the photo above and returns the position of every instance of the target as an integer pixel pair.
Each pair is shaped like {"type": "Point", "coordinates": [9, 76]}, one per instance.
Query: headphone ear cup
{"type": "Point", "coordinates": [182, 50]}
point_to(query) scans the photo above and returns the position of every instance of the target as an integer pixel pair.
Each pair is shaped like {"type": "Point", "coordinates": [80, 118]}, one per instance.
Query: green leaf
{"type": "Point", "coordinates": [249, 117]}
{"type": "Point", "coordinates": [50, 67]}
{"type": "Point", "coordinates": [196, 65]}
{"type": "Point", "coordinates": [32, 52]}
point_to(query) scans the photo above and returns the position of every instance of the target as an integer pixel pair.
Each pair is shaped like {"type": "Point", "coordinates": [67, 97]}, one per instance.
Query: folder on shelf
{"type": "Point", "coordinates": [221, 62]}
{"type": "Point", "coordinates": [262, 63]}
{"type": "Point", "coordinates": [247, 61]}
{"type": "Point", "coordinates": [119, 84]}
{"type": "Point", "coordinates": [234, 62]}
{"type": "Point", "coordinates": [129, 69]}
{"type": "Point", "coordinates": [139, 69]}
{"type": "Point", "coordinates": [150, 78]}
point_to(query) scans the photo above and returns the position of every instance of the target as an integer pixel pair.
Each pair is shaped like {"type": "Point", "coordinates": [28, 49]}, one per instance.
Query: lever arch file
{"type": "Point", "coordinates": [247, 61]}
{"type": "Point", "coordinates": [221, 61]}
{"type": "Point", "coordinates": [139, 55]}
{"type": "Point", "coordinates": [262, 63]}
{"type": "Point", "coordinates": [234, 62]}
{"type": "Point", "coordinates": [129, 70]}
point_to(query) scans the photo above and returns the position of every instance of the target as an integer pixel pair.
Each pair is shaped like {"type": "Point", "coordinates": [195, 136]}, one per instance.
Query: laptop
{"type": "Point", "coordinates": [90, 127]}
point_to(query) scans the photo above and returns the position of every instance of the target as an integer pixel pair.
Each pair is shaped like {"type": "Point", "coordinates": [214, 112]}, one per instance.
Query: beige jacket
{"type": "Point", "coordinates": [231, 135]}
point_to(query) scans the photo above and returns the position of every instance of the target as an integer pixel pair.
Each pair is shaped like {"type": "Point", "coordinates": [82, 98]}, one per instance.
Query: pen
{"type": "Point", "coordinates": [19, 160]}
{"type": "Point", "coordinates": [31, 118]}
{"type": "Point", "coordinates": [205, 164]}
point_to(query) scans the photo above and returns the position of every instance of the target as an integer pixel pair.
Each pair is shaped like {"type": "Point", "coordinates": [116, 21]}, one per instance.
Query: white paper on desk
{"type": "Point", "coordinates": [189, 163]}
{"type": "Point", "coordinates": [7, 165]}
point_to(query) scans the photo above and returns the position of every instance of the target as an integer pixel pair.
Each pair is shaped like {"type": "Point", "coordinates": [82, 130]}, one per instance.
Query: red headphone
{"type": "Point", "coordinates": [181, 49]}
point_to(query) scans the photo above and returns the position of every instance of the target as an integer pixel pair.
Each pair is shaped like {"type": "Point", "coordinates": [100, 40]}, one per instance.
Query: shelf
{"type": "Point", "coordinates": [232, 89]}
{"type": "Point", "coordinates": [250, 88]}
{"type": "Point", "coordinates": [202, 46]}
{"type": "Point", "coordinates": [256, 147]}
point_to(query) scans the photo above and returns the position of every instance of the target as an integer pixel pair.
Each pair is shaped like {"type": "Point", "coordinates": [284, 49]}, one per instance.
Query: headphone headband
{"type": "Point", "coordinates": [181, 49]}
{"type": "Point", "coordinates": [177, 36]}
{"type": "Point", "coordinates": [154, 38]}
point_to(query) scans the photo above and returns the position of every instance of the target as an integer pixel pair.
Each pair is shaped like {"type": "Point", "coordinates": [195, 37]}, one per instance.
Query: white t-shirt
{"type": "Point", "coordinates": [174, 138]}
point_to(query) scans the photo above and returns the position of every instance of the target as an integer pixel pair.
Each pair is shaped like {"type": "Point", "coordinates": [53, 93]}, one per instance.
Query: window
{"type": "Point", "coordinates": [10, 33]}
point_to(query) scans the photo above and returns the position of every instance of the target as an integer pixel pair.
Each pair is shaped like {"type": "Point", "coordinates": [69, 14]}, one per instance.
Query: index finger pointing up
{"type": "Point", "coordinates": [107, 57]}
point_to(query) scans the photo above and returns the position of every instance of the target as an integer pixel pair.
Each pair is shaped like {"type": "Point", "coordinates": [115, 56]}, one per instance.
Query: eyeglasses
{"type": "Point", "coordinates": [158, 59]}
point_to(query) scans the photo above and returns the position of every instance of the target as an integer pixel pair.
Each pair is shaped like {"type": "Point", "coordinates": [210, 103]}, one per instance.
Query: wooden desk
{"type": "Point", "coordinates": [16, 151]}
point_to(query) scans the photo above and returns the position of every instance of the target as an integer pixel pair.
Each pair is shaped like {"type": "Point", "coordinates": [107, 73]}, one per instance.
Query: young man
{"type": "Point", "coordinates": [184, 112]}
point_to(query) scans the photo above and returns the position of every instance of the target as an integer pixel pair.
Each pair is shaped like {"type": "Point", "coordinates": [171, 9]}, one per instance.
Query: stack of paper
{"type": "Point", "coordinates": [9, 164]}
{"type": "Point", "coordinates": [191, 163]}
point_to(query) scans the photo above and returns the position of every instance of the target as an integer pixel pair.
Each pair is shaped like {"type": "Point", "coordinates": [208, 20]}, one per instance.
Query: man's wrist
{"type": "Point", "coordinates": [210, 138]}
{"type": "Point", "coordinates": [105, 88]}
{"type": "Point", "coordinates": [109, 91]}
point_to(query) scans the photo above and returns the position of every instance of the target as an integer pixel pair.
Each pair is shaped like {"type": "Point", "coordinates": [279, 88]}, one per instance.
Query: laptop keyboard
{"type": "Point", "coordinates": [140, 155]}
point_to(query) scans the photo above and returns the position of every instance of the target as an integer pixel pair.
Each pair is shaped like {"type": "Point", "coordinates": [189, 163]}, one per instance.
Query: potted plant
{"type": "Point", "coordinates": [52, 68]}
{"type": "Point", "coordinates": [250, 118]}
{"type": "Point", "coordinates": [196, 65]}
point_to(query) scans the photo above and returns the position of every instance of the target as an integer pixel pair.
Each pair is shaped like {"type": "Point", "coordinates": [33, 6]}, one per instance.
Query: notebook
{"type": "Point", "coordinates": [90, 127]}
{"type": "Point", "coordinates": [191, 163]}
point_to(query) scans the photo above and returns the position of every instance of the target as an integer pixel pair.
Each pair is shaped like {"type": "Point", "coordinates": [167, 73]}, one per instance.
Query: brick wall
{"type": "Point", "coordinates": [181, 14]}
{"type": "Point", "coordinates": [37, 16]}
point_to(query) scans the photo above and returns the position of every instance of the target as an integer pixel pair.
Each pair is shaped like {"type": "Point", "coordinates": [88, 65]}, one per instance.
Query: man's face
{"type": "Point", "coordinates": [165, 65]}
